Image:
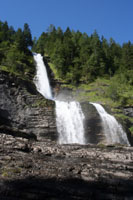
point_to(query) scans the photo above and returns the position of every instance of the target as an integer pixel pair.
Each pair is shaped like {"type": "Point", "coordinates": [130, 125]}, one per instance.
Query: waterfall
{"type": "Point", "coordinates": [112, 129]}
{"type": "Point", "coordinates": [69, 115]}
{"type": "Point", "coordinates": [41, 79]}
{"type": "Point", "coordinates": [70, 122]}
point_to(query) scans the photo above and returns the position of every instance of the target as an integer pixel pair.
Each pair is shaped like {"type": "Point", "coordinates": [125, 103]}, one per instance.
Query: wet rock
{"type": "Point", "coordinates": [128, 111]}
{"type": "Point", "coordinates": [93, 126]}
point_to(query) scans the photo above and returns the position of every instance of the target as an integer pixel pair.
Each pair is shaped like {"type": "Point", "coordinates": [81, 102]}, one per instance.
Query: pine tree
{"type": "Point", "coordinates": [27, 36]}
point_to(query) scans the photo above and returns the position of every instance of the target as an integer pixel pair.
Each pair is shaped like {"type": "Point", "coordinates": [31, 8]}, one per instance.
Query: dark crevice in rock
{"type": "Point", "coordinates": [17, 133]}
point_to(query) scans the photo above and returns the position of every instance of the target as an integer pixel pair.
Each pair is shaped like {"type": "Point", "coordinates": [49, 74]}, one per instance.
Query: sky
{"type": "Point", "coordinates": [110, 18]}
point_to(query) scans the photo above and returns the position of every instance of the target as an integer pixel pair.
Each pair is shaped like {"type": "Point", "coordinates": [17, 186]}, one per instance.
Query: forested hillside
{"type": "Point", "coordinates": [74, 57]}
{"type": "Point", "coordinates": [82, 58]}
{"type": "Point", "coordinates": [79, 59]}
{"type": "Point", "coordinates": [15, 56]}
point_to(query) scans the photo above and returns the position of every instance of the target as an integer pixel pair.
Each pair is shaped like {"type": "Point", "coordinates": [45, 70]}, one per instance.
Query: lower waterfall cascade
{"type": "Point", "coordinates": [112, 129]}
{"type": "Point", "coordinates": [69, 115]}
{"type": "Point", "coordinates": [69, 120]}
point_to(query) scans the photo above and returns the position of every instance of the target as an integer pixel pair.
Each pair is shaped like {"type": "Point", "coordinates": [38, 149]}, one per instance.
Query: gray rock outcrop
{"type": "Point", "coordinates": [42, 169]}
{"type": "Point", "coordinates": [23, 111]}
{"type": "Point", "coordinates": [93, 127]}
{"type": "Point", "coordinates": [128, 111]}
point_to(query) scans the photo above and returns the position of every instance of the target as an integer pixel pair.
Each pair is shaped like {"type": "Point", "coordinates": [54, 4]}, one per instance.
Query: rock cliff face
{"type": "Point", "coordinates": [42, 169]}
{"type": "Point", "coordinates": [23, 111]}
{"type": "Point", "coordinates": [93, 127]}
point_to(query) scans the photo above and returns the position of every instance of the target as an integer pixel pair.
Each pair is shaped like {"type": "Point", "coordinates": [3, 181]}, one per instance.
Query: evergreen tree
{"type": "Point", "coordinates": [78, 57]}
{"type": "Point", "coordinates": [19, 40]}
{"type": "Point", "coordinates": [27, 36]}
{"type": "Point", "coordinates": [127, 56]}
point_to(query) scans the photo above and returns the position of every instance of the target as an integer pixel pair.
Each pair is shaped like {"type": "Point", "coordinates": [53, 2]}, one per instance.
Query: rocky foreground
{"type": "Point", "coordinates": [45, 170]}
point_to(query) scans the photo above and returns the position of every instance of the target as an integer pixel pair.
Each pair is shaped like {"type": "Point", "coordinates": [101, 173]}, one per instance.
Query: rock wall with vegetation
{"type": "Point", "coordinates": [23, 111]}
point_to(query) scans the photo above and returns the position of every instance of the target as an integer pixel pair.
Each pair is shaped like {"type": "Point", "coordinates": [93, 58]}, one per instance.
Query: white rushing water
{"type": "Point", "coordinates": [70, 122]}
{"type": "Point", "coordinates": [112, 129]}
{"type": "Point", "coordinates": [41, 79]}
{"type": "Point", "coordinates": [69, 115]}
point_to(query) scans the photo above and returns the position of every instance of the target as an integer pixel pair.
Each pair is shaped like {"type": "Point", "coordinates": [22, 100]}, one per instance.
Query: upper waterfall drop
{"type": "Point", "coordinates": [112, 129]}
{"type": "Point", "coordinates": [69, 115]}
{"type": "Point", "coordinates": [41, 79]}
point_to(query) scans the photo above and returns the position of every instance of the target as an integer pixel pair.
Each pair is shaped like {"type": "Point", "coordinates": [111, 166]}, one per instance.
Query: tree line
{"type": "Point", "coordinates": [15, 55]}
{"type": "Point", "coordinates": [82, 58]}
{"type": "Point", "coordinates": [77, 57]}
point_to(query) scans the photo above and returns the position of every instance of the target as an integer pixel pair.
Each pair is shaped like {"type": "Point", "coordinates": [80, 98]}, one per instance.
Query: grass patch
{"type": "Point", "coordinates": [131, 130]}
{"type": "Point", "coordinates": [40, 103]}
{"type": "Point", "coordinates": [9, 172]}
{"type": "Point", "coordinates": [101, 145]}
{"type": "Point", "coordinates": [4, 68]}
{"type": "Point", "coordinates": [55, 71]}
{"type": "Point", "coordinates": [9, 70]}
{"type": "Point", "coordinates": [53, 68]}
{"type": "Point", "coordinates": [95, 92]}
{"type": "Point", "coordinates": [107, 92]}
{"type": "Point", "coordinates": [44, 103]}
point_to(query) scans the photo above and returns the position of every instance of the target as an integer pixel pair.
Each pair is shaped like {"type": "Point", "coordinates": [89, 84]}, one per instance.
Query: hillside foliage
{"type": "Point", "coordinates": [75, 57]}
{"type": "Point", "coordinates": [15, 55]}
{"type": "Point", "coordinates": [81, 59]}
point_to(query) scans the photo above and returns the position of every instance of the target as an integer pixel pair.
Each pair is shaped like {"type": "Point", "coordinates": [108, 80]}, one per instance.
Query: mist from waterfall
{"type": "Point", "coordinates": [112, 129]}
{"type": "Point", "coordinates": [69, 115]}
